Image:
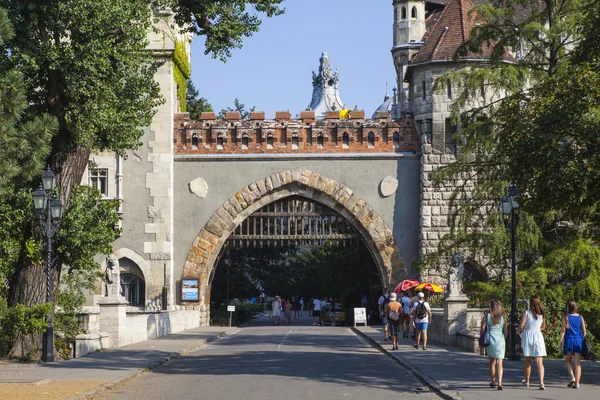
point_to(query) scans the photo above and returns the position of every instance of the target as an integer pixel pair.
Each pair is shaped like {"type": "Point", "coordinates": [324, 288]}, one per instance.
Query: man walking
{"type": "Point", "coordinates": [382, 302]}
{"type": "Point", "coordinates": [421, 318]}
{"type": "Point", "coordinates": [301, 305]}
{"type": "Point", "coordinates": [406, 303]}
{"type": "Point", "coordinates": [316, 311]}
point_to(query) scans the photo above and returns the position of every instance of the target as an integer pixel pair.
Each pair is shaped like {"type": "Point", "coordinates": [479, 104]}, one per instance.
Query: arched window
{"type": "Point", "coordinates": [345, 140]}
{"type": "Point", "coordinates": [320, 141]}
{"type": "Point", "coordinates": [244, 141]}
{"type": "Point", "coordinates": [413, 13]}
{"type": "Point", "coordinates": [295, 141]}
{"type": "Point", "coordinates": [371, 140]}
{"type": "Point", "coordinates": [403, 15]}
{"type": "Point", "coordinates": [220, 142]}
{"type": "Point", "coordinates": [269, 141]}
{"type": "Point", "coordinates": [396, 140]}
{"type": "Point", "coordinates": [132, 288]}
{"type": "Point", "coordinates": [194, 141]}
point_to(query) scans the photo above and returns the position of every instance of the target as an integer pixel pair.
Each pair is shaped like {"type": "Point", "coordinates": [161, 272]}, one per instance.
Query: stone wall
{"type": "Point", "coordinates": [466, 337]}
{"type": "Point", "coordinates": [148, 326]}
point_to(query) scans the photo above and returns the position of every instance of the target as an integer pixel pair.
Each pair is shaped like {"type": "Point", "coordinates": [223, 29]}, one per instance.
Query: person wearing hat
{"type": "Point", "coordinates": [421, 319]}
{"type": "Point", "coordinates": [393, 311]}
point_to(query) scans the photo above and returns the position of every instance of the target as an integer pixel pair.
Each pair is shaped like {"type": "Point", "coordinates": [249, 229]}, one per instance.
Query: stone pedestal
{"type": "Point", "coordinates": [455, 317]}
{"type": "Point", "coordinates": [113, 312]}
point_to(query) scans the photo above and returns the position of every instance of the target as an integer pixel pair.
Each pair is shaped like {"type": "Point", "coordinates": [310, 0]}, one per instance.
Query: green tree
{"type": "Point", "coordinates": [196, 105]}
{"type": "Point", "coordinates": [237, 106]}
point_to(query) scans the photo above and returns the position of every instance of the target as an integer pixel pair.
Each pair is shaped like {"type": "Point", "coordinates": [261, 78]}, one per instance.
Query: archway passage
{"type": "Point", "coordinates": [378, 238]}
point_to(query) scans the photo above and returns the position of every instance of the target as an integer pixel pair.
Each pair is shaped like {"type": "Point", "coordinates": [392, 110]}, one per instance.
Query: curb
{"type": "Point", "coordinates": [90, 394]}
{"type": "Point", "coordinates": [420, 375]}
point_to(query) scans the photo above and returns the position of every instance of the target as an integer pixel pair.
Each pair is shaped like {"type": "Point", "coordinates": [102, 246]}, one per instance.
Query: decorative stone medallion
{"type": "Point", "coordinates": [199, 187]}
{"type": "Point", "coordinates": [388, 186]}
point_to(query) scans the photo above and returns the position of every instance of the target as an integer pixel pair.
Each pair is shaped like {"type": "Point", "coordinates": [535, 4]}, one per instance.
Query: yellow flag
{"type": "Point", "coordinates": [345, 114]}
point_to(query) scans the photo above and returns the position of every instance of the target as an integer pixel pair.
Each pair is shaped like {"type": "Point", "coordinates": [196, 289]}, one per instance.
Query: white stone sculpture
{"type": "Point", "coordinates": [388, 186]}
{"type": "Point", "coordinates": [455, 276]}
{"type": "Point", "coordinates": [199, 187]}
{"type": "Point", "coordinates": [113, 277]}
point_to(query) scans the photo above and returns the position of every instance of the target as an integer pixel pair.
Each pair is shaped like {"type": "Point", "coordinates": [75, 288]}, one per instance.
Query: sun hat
{"type": "Point", "coordinates": [421, 295]}
{"type": "Point", "coordinates": [393, 296]}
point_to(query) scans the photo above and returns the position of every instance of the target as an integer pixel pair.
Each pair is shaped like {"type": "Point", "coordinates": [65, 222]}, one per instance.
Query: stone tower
{"type": "Point", "coordinates": [409, 29]}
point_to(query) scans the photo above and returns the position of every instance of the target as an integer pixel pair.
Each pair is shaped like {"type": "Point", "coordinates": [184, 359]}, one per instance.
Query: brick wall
{"type": "Point", "coordinates": [285, 135]}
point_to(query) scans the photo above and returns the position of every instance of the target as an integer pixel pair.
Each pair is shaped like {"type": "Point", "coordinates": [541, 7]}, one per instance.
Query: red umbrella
{"type": "Point", "coordinates": [405, 285]}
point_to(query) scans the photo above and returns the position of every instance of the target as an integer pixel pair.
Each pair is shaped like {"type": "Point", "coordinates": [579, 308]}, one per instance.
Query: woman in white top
{"type": "Point", "coordinates": [532, 340]}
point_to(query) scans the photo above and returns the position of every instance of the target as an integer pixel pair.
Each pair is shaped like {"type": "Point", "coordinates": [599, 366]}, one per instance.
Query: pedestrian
{"type": "Point", "coordinates": [287, 312]}
{"type": "Point", "coordinates": [301, 305]}
{"type": "Point", "coordinates": [323, 311]}
{"type": "Point", "coordinates": [382, 302]}
{"type": "Point", "coordinates": [405, 320]}
{"type": "Point", "coordinates": [422, 319]}
{"type": "Point", "coordinates": [496, 321]}
{"type": "Point", "coordinates": [296, 307]}
{"type": "Point", "coordinates": [316, 306]}
{"type": "Point", "coordinates": [533, 323]}
{"type": "Point", "coordinates": [332, 311]}
{"type": "Point", "coordinates": [413, 301]}
{"type": "Point", "coordinates": [276, 310]}
{"type": "Point", "coordinates": [394, 312]}
{"type": "Point", "coordinates": [572, 333]}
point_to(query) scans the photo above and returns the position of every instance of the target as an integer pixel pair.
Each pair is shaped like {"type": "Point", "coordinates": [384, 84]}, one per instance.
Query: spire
{"type": "Point", "coordinates": [326, 95]}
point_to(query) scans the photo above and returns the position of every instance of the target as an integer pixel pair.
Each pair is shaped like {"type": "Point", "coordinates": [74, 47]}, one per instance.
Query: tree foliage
{"type": "Point", "coordinates": [196, 105]}
{"type": "Point", "coordinates": [237, 107]}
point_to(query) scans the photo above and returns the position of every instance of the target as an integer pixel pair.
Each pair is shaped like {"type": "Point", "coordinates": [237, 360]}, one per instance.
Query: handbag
{"type": "Point", "coordinates": [484, 337]}
{"type": "Point", "coordinates": [588, 351]}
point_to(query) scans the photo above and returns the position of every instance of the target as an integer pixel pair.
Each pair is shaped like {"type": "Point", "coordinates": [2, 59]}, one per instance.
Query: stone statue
{"type": "Point", "coordinates": [455, 275]}
{"type": "Point", "coordinates": [113, 277]}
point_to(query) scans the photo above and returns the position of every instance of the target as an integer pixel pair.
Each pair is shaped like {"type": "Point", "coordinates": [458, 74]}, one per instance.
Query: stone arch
{"type": "Point", "coordinates": [203, 255]}
{"type": "Point", "coordinates": [137, 259]}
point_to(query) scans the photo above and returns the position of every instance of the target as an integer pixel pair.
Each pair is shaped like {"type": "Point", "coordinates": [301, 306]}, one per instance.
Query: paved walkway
{"type": "Point", "coordinates": [462, 375]}
{"type": "Point", "coordinates": [105, 368]}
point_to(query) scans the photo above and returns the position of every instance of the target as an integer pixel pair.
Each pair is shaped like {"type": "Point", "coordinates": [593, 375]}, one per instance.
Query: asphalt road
{"type": "Point", "coordinates": [264, 362]}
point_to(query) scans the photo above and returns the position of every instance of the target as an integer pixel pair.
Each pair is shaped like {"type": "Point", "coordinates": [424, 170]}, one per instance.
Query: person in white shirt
{"type": "Point", "coordinates": [384, 299]}
{"type": "Point", "coordinates": [276, 310]}
{"type": "Point", "coordinates": [316, 311]}
{"type": "Point", "coordinates": [421, 319]}
{"type": "Point", "coordinates": [301, 305]}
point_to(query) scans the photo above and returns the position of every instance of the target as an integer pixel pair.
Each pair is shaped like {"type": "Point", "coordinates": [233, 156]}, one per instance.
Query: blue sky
{"type": "Point", "coordinates": [273, 69]}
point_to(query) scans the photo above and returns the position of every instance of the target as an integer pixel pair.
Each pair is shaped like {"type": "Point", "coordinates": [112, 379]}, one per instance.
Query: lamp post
{"type": "Point", "coordinates": [511, 219]}
{"type": "Point", "coordinates": [49, 211]}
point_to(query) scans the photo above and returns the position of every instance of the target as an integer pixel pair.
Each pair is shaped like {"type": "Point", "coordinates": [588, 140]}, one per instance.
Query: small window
{"type": "Point", "coordinates": [403, 15]}
{"type": "Point", "coordinates": [426, 127]}
{"type": "Point", "coordinates": [295, 141]}
{"type": "Point", "coordinates": [194, 141]}
{"type": "Point", "coordinates": [424, 89]}
{"type": "Point", "coordinates": [320, 141]}
{"type": "Point", "coordinates": [244, 141]}
{"type": "Point", "coordinates": [132, 288]}
{"type": "Point", "coordinates": [220, 142]}
{"type": "Point", "coordinates": [345, 140]}
{"type": "Point", "coordinates": [413, 13]}
{"type": "Point", "coordinates": [99, 180]}
{"type": "Point", "coordinates": [371, 140]}
{"type": "Point", "coordinates": [450, 136]}
{"type": "Point", "coordinates": [396, 141]}
{"type": "Point", "coordinates": [449, 89]}
{"type": "Point", "coordinates": [269, 141]}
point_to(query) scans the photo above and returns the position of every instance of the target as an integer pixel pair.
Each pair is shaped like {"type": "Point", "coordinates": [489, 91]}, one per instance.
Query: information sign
{"type": "Point", "coordinates": [360, 316]}
{"type": "Point", "coordinates": [231, 308]}
{"type": "Point", "coordinates": [189, 290]}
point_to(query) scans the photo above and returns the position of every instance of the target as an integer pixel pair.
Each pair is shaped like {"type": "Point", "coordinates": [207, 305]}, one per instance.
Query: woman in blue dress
{"type": "Point", "coordinates": [572, 333]}
{"type": "Point", "coordinates": [496, 320]}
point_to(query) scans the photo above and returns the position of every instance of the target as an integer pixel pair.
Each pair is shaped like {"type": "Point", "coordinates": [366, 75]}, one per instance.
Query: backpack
{"type": "Point", "coordinates": [386, 299]}
{"type": "Point", "coordinates": [421, 310]}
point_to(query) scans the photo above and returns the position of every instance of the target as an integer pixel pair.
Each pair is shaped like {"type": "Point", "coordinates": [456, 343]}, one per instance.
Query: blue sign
{"type": "Point", "coordinates": [189, 290]}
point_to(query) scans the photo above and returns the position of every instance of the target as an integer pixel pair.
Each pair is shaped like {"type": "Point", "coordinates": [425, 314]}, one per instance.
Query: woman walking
{"type": "Point", "coordinates": [496, 321]}
{"type": "Point", "coordinates": [533, 323]}
{"type": "Point", "coordinates": [572, 333]}
{"type": "Point", "coordinates": [394, 311]}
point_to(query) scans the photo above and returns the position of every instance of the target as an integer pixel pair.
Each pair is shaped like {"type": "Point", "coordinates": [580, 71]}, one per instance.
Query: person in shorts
{"type": "Point", "coordinates": [382, 302]}
{"type": "Point", "coordinates": [406, 303]}
{"type": "Point", "coordinates": [421, 319]}
{"type": "Point", "coordinates": [316, 311]}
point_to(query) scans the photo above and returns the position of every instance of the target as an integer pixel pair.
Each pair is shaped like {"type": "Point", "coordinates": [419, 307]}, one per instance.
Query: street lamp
{"type": "Point", "coordinates": [49, 211]}
{"type": "Point", "coordinates": [511, 219]}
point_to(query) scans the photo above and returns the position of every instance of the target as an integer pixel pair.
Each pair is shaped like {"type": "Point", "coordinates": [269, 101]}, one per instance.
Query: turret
{"type": "Point", "coordinates": [409, 29]}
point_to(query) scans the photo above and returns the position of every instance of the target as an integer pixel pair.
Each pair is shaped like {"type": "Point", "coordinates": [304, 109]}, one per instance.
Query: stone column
{"type": "Point", "coordinates": [113, 313]}
{"type": "Point", "coordinates": [455, 318]}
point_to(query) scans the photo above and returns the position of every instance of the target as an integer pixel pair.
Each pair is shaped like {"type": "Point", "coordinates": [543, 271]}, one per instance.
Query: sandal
{"type": "Point", "coordinates": [492, 384]}
{"type": "Point", "coordinates": [416, 346]}
{"type": "Point", "coordinates": [500, 386]}
{"type": "Point", "coordinates": [525, 383]}
{"type": "Point", "coordinates": [572, 383]}
{"type": "Point", "coordinates": [424, 348]}
{"type": "Point", "coordinates": [542, 387]}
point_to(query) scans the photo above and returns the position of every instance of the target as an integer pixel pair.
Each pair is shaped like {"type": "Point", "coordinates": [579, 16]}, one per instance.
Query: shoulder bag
{"type": "Point", "coordinates": [484, 337]}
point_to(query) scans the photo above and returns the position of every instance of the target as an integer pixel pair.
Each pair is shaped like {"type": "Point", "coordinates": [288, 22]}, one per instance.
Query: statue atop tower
{"type": "Point", "coordinates": [326, 95]}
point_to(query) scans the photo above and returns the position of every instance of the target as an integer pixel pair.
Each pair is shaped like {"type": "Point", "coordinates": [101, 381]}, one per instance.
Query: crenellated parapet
{"type": "Point", "coordinates": [306, 134]}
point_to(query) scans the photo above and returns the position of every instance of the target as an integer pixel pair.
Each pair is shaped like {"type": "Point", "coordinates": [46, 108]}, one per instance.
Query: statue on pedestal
{"type": "Point", "coordinates": [113, 277]}
{"type": "Point", "coordinates": [455, 276]}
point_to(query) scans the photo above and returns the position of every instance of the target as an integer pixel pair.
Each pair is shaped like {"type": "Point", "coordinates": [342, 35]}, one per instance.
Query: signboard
{"type": "Point", "coordinates": [231, 308]}
{"type": "Point", "coordinates": [360, 316]}
{"type": "Point", "coordinates": [189, 290]}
